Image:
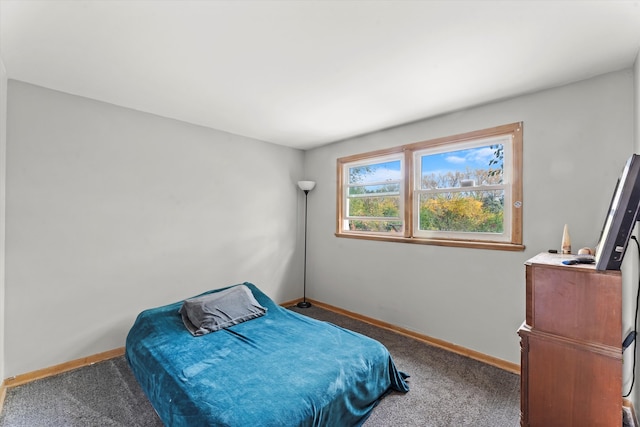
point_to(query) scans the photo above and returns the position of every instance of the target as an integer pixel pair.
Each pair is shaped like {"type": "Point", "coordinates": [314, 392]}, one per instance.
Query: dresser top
{"type": "Point", "coordinates": [555, 260]}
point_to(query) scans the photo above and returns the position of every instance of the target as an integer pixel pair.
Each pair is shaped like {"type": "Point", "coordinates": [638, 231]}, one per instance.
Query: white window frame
{"type": "Point", "coordinates": [507, 178]}
{"type": "Point", "coordinates": [346, 198]}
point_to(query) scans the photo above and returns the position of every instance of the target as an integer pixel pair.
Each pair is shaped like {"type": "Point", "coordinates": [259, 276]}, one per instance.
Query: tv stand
{"type": "Point", "coordinates": [571, 353]}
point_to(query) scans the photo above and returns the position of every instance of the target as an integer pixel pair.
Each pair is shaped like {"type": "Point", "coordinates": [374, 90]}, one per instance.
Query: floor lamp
{"type": "Point", "coordinates": [305, 186]}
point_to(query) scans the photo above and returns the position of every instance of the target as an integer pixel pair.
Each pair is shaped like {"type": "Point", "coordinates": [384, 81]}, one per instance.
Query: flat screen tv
{"type": "Point", "coordinates": [621, 218]}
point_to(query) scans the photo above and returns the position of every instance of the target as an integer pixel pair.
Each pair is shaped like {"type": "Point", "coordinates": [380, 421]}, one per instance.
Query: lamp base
{"type": "Point", "coordinates": [303, 304]}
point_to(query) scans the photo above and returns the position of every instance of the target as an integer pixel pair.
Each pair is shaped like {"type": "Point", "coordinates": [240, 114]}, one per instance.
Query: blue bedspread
{"type": "Point", "coordinates": [281, 369]}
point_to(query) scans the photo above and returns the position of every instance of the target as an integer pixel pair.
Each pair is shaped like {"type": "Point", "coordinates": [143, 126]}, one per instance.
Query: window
{"type": "Point", "coordinates": [374, 197]}
{"type": "Point", "coordinates": [463, 190]}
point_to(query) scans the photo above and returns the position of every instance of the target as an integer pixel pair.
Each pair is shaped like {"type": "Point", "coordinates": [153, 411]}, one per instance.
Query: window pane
{"type": "Point", "coordinates": [377, 172]}
{"type": "Point", "coordinates": [482, 165]}
{"type": "Point", "coordinates": [376, 226]}
{"type": "Point", "coordinates": [373, 198]}
{"type": "Point", "coordinates": [385, 207]}
{"type": "Point", "coordinates": [374, 190]}
{"type": "Point", "coordinates": [463, 211]}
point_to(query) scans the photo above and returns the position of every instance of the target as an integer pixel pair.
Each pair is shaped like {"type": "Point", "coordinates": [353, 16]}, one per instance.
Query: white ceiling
{"type": "Point", "coordinates": [306, 73]}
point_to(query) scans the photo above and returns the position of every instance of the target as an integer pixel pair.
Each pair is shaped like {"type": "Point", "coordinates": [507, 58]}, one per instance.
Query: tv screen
{"type": "Point", "coordinates": [621, 218]}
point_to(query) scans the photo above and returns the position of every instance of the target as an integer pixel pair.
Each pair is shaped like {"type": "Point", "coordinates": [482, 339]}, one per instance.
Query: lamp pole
{"type": "Point", "coordinates": [305, 186]}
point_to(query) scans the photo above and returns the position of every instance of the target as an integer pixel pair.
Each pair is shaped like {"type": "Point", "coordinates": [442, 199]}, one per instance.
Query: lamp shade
{"type": "Point", "coordinates": [306, 185]}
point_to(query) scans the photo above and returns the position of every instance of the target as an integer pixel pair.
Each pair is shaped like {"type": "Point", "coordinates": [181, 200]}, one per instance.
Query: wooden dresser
{"type": "Point", "coordinates": [571, 345]}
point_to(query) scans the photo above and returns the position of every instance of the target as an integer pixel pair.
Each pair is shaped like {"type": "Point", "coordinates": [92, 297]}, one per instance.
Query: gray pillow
{"type": "Point", "coordinates": [218, 310]}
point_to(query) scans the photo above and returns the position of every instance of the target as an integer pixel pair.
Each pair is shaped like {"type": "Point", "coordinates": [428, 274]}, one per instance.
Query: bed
{"type": "Point", "coordinates": [276, 368]}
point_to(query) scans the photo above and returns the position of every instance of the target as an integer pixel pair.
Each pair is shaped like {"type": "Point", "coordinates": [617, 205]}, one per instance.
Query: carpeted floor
{"type": "Point", "coordinates": [446, 390]}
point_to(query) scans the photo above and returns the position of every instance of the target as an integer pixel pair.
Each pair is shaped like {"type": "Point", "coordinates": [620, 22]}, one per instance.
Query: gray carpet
{"type": "Point", "coordinates": [446, 390]}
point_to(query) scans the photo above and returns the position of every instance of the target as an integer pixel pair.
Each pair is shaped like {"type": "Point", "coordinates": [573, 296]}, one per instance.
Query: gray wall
{"type": "Point", "coordinates": [111, 211]}
{"type": "Point", "coordinates": [3, 147]}
{"type": "Point", "coordinates": [576, 140]}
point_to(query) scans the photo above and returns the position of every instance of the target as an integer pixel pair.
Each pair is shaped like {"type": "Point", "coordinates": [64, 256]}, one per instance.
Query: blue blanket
{"type": "Point", "coordinates": [281, 369]}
